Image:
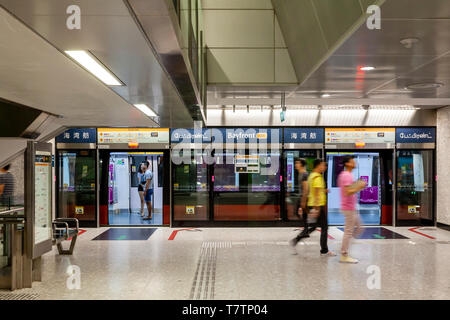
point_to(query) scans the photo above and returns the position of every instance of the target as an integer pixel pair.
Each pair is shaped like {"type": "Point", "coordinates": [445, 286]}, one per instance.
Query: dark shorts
{"type": "Point", "coordinates": [148, 195]}
{"type": "Point", "coordinates": [140, 188]}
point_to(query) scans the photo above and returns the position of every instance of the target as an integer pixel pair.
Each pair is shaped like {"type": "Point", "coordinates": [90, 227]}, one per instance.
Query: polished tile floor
{"type": "Point", "coordinates": [134, 218]}
{"type": "Point", "coordinates": [370, 215]}
{"type": "Point", "coordinates": [249, 263]}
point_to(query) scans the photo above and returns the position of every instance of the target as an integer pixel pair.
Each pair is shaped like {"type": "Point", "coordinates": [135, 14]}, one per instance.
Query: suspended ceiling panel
{"type": "Point", "coordinates": [397, 67]}
{"type": "Point", "coordinates": [109, 32]}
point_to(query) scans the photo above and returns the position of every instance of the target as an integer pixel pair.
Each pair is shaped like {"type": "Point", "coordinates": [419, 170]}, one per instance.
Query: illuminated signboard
{"type": "Point", "coordinates": [81, 135]}
{"type": "Point", "coordinates": [303, 135]}
{"type": "Point", "coordinates": [415, 135]}
{"type": "Point", "coordinates": [359, 135]}
{"type": "Point", "coordinates": [132, 135]}
{"type": "Point", "coordinates": [43, 200]}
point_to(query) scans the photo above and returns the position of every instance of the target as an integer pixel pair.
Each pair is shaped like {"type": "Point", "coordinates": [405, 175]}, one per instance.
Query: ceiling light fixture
{"type": "Point", "coordinates": [342, 107]}
{"type": "Point", "coordinates": [91, 64]}
{"type": "Point", "coordinates": [392, 107]}
{"type": "Point", "coordinates": [367, 68]}
{"type": "Point", "coordinates": [145, 109]}
{"type": "Point", "coordinates": [326, 95]}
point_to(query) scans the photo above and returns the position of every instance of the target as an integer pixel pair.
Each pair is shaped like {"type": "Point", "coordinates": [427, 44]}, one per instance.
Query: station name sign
{"type": "Point", "coordinates": [415, 135]}
{"type": "Point", "coordinates": [78, 135]}
{"type": "Point", "coordinates": [303, 135]}
{"type": "Point", "coordinates": [190, 135]}
{"type": "Point", "coordinates": [250, 135]}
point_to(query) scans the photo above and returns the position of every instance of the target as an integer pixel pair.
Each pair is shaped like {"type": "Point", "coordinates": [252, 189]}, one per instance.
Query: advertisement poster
{"type": "Point", "coordinates": [42, 204]}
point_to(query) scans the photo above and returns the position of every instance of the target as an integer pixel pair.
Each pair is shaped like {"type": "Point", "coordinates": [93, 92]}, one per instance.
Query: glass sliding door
{"type": "Point", "coordinates": [369, 200]}
{"type": "Point", "coordinates": [191, 189]}
{"type": "Point", "coordinates": [247, 186]}
{"type": "Point", "coordinates": [76, 186]}
{"type": "Point", "coordinates": [415, 187]}
{"type": "Point", "coordinates": [291, 177]}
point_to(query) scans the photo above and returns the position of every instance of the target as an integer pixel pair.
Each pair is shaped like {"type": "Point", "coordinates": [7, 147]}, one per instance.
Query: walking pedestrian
{"type": "Point", "coordinates": [317, 200]}
{"type": "Point", "coordinates": [301, 195]}
{"type": "Point", "coordinates": [348, 189]}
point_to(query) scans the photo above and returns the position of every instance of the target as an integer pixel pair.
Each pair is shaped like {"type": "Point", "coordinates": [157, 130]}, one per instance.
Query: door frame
{"type": "Point", "coordinates": [166, 197]}
{"type": "Point", "coordinates": [82, 147]}
{"type": "Point", "coordinates": [420, 222]}
{"type": "Point", "coordinates": [380, 151]}
{"type": "Point", "coordinates": [319, 154]}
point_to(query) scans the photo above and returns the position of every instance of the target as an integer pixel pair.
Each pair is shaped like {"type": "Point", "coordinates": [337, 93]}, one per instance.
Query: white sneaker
{"type": "Point", "coordinates": [328, 254]}
{"type": "Point", "coordinates": [348, 259]}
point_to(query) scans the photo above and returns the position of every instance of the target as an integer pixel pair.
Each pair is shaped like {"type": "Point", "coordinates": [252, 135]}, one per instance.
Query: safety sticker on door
{"type": "Point", "coordinates": [190, 210]}
{"type": "Point", "coordinates": [412, 209]}
{"type": "Point", "coordinates": [79, 210]}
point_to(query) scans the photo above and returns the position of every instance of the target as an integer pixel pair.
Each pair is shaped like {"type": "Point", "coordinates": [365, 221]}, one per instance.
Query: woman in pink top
{"type": "Point", "coordinates": [348, 207]}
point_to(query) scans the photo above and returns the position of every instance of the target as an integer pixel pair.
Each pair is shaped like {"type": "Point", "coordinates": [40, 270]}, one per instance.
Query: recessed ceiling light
{"type": "Point", "coordinates": [145, 109]}
{"type": "Point", "coordinates": [90, 63]}
{"type": "Point", "coordinates": [367, 68]}
{"type": "Point", "coordinates": [424, 86]}
{"type": "Point", "coordinates": [326, 95]}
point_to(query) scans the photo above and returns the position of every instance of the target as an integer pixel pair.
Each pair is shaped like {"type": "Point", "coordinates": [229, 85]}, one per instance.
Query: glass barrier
{"type": "Point", "coordinates": [291, 182]}
{"type": "Point", "coordinates": [12, 187]}
{"type": "Point", "coordinates": [414, 185]}
{"type": "Point", "coordinates": [76, 184]}
{"type": "Point", "coordinates": [8, 221]}
{"type": "Point", "coordinates": [191, 189]}
{"type": "Point", "coordinates": [248, 187]}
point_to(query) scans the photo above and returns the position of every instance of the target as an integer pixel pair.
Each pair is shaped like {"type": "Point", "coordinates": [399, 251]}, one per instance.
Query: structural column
{"type": "Point", "coordinates": [443, 165]}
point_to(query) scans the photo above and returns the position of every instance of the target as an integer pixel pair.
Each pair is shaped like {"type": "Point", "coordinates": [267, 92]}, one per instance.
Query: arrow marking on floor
{"type": "Point", "coordinates": [174, 233]}
{"type": "Point", "coordinates": [422, 234]}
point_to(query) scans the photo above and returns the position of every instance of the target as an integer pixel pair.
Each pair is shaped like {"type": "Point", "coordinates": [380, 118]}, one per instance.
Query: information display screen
{"type": "Point", "coordinates": [355, 135]}
{"type": "Point", "coordinates": [132, 135]}
{"type": "Point", "coordinates": [43, 202]}
{"type": "Point", "coordinates": [246, 164]}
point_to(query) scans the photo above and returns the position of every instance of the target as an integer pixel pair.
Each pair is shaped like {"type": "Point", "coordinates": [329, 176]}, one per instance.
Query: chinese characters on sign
{"type": "Point", "coordinates": [82, 135]}
{"type": "Point", "coordinates": [303, 135]}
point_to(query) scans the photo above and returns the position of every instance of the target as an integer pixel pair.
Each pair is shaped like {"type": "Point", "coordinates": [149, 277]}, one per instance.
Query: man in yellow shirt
{"type": "Point", "coordinates": [317, 200]}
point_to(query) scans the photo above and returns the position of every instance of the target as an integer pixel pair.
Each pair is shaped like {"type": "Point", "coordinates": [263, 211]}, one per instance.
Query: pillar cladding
{"type": "Point", "coordinates": [443, 165]}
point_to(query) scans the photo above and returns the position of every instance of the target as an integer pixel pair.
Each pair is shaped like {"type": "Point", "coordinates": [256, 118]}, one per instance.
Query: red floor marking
{"type": "Point", "coordinates": [422, 234]}
{"type": "Point", "coordinates": [174, 233]}
{"type": "Point", "coordinates": [80, 232]}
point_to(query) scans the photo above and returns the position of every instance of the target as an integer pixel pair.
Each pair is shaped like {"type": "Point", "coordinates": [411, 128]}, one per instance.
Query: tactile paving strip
{"type": "Point", "coordinates": [18, 296]}
{"type": "Point", "coordinates": [204, 281]}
